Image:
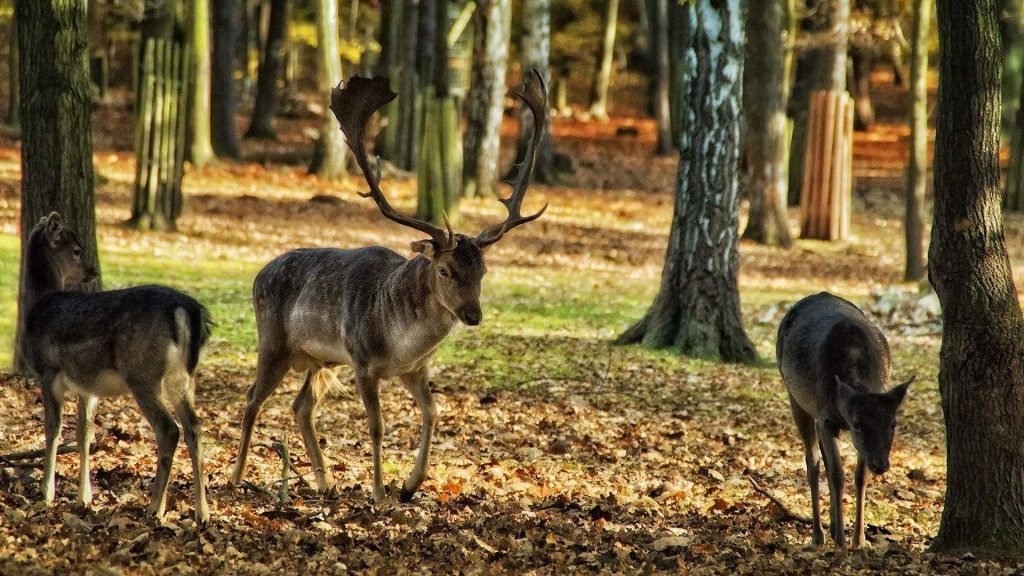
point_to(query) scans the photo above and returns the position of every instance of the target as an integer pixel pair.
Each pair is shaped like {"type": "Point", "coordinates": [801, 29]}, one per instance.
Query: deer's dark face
{"type": "Point", "coordinates": [65, 254]}
{"type": "Point", "coordinates": [872, 420]}
{"type": "Point", "coordinates": [457, 276]}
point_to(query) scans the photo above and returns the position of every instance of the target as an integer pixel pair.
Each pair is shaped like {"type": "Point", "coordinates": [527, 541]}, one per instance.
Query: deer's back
{"type": "Point", "coordinates": [128, 331]}
{"type": "Point", "coordinates": [823, 336]}
{"type": "Point", "coordinates": [317, 300]}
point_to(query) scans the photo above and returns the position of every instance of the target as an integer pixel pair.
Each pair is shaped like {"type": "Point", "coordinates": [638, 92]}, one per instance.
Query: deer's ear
{"type": "Point", "coordinates": [897, 394]}
{"type": "Point", "coordinates": [844, 391]}
{"type": "Point", "coordinates": [425, 247]}
{"type": "Point", "coordinates": [54, 228]}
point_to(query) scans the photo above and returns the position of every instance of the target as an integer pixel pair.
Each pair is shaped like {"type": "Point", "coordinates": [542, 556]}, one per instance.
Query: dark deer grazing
{"type": "Point", "coordinates": [371, 308]}
{"type": "Point", "coordinates": [143, 341]}
{"type": "Point", "coordinates": [836, 365]}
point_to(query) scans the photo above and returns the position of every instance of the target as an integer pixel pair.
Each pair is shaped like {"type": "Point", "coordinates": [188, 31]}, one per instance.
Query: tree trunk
{"type": "Point", "coordinates": [265, 109]}
{"type": "Point", "coordinates": [399, 140]}
{"type": "Point", "coordinates": [823, 67]}
{"type": "Point", "coordinates": [862, 60]}
{"type": "Point", "coordinates": [13, 75]}
{"type": "Point", "coordinates": [491, 28]}
{"type": "Point", "coordinates": [56, 137]}
{"type": "Point", "coordinates": [917, 164]}
{"type": "Point", "coordinates": [201, 149]}
{"type": "Point", "coordinates": [981, 363]}
{"type": "Point", "coordinates": [678, 40]}
{"type": "Point", "coordinates": [603, 69]}
{"type": "Point", "coordinates": [226, 22]}
{"type": "Point", "coordinates": [697, 310]}
{"type": "Point", "coordinates": [764, 100]}
{"type": "Point", "coordinates": [329, 157]}
{"type": "Point", "coordinates": [440, 163]}
{"type": "Point", "coordinates": [534, 54]}
{"type": "Point", "coordinates": [1011, 30]}
{"type": "Point", "coordinates": [661, 71]}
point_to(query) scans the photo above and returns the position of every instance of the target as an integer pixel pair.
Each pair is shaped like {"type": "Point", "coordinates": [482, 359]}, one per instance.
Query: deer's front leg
{"type": "Point", "coordinates": [86, 409]}
{"type": "Point", "coordinates": [369, 390]}
{"type": "Point", "coordinates": [834, 473]}
{"type": "Point", "coordinates": [860, 484]}
{"type": "Point", "coordinates": [418, 384]}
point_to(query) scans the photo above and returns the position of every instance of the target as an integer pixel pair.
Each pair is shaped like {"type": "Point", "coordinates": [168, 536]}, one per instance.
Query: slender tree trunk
{"type": "Point", "coordinates": [917, 164]}
{"type": "Point", "coordinates": [603, 70]}
{"type": "Point", "coordinates": [329, 157]}
{"type": "Point", "coordinates": [223, 104]}
{"type": "Point", "coordinates": [440, 164]}
{"type": "Point", "coordinates": [201, 149]}
{"type": "Point", "coordinates": [661, 70]}
{"type": "Point", "coordinates": [1011, 29]}
{"type": "Point", "coordinates": [764, 101]}
{"type": "Point", "coordinates": [491, 28]}
{"type": "Point", "coordinates": [534, 54]}
{"type": "Point", "coordinates": [862, 60]}
{"type": "Point", "coordinates": [678, 40]}
{"type": "Point", "coordinates": [56, 137]}
{"type": "Point", "coordinates": [267, 94]}
{"type": "Point", "coordinates": [697, 310]}
{"type": "Point", "coordinates": [821, 68]}
{"type": "Point", "coordinates": [981, 363]}
{"type": "Point", "coordinates": [13, 78]}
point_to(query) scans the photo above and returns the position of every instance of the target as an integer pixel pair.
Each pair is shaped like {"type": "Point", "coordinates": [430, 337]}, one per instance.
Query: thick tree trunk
{"type": "Point", "coordinates": [823, 67]}
{"type": "Point", "coordinates": [603, 67]}
{"type": "Point", "coordinates": [265, 109]}
{"type": "Point", "coordinates": [534, 54]}
{"type": "Point", "coordinates": [440, 164]}
{"type": "Point", "coordinates": [661, 71]}
{"type": "Point", "coordinates": [201, 149]}
{"type": "Point", "coordinates": [697, 310]}
{"type": "Point", "coordinates": [329, 157]}
{"type": "Point", "coordinates": [917, 164]}
{"type": "Point", "coordinates": [56, 137]}
{"type": "Point", "coordinates": [981, 363]}
{"type": "Point", "coordinates": [224, 135]}
{"type": "Point", "coordinates": [1011, 30]}
{"type": "Point", "coordinates": [491, 27]}
{"type": "Point", "coordinates": [13, 78]}
{"type": "Point", "coordinates": [399, 140]}
{"type": "Point", "coordinates": [764, 98]}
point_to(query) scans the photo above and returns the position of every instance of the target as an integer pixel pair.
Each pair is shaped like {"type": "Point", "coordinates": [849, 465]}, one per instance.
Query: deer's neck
{"type": "Point", "coordinates": [39, 276]}
{"type": "Point", "coordinates": [411, 293]}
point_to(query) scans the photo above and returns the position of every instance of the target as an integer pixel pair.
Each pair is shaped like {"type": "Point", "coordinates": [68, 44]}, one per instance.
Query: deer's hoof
{"type": "Point", "coordinates": [405, 495]}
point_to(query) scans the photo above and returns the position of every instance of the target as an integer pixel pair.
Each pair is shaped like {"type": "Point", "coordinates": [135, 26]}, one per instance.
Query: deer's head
{"type": "Point", "coordinates": [62, 252]}
{"type": "Point", "coordinates": [456, 260]}
{"type": "Point", "coordinates": [872, 420]}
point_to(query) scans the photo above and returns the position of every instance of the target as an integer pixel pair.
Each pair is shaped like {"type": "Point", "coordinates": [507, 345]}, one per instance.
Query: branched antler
{"type": "Point", "coordinates": [534, 94]}
{"type": "Point", "coordinates": [353, 105]}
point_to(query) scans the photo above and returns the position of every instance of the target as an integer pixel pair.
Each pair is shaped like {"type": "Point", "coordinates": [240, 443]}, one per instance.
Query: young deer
{"type": "Point", "coordinates": [836, 365]}
{"type": "Point", "coordinates": [143, 341]}
{"type": "Point", "coordinates": [371, 308]}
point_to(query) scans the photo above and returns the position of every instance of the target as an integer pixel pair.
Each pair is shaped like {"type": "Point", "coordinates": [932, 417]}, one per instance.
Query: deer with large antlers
{"type": "Point", "coordinates": [372, 308]}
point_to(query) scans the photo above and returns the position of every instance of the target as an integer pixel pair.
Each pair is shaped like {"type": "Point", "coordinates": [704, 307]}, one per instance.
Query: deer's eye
{"type": "Point", "coordinates": [77, 252]}
{"type": "Point", "coordinates": [445, 272]}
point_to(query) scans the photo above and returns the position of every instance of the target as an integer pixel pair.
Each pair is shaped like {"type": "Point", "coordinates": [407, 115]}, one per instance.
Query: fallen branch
{"type": "Point", "coordinates": [787, 514]}
{"type": "Point", "coordinates": [286, 464]}
{"type": "Point", "coordinates": [65, 448]}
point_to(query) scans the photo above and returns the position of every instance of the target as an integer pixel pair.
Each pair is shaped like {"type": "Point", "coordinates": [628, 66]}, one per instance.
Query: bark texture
{"type": "Point", "coordinates": [766, 144]}
{"type": "Point", "coordinates": [271, 66]}
{"type": "Point", "coordinates": [917, 163]}
{"type": "Point", "coordinates": [491, 28]}
{"type": "Point", "coordinates": [697, 310]}
{"type": "Point", "coordinates": [56, 136]}
{"type": "Point", "coordinates": [981, 365]}
{"type": "Point", "coordinates": [227, 16]}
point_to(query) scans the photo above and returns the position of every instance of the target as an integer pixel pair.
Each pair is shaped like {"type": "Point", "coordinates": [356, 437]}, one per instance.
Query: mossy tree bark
{"type": "Point", "coordinates": [981, 362]}
{"type": "Point", "coordinates": [271, 66]}
{"type": "Point", "coordinates": [56, 137]}
{"type": "Point", "coordinates": [697, 310]}
{"type": "Point", "coordinates": [491, 27]}
{"type": "Point", "coordinates": [765, 144]}
{"type": "Point", "coordinates": [917, 163]}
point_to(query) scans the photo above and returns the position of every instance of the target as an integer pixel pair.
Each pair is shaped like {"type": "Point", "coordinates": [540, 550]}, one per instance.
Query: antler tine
{"type": "Point", "coordinates": [534, 94]}
{"type": "Point", "coordinates": [353, 105]}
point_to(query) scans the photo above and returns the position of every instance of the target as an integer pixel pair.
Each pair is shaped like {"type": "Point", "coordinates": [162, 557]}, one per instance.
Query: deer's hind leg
{"type": "Point", "coordinates": [271, 367]}
{"type": "Point", "coordinates": [84, 435]}
{"type": "Point", "coordinates": [192, 426]}
{"type": "Point", "coordinates": [147, 394]}
{"type": "Point", "coordinates": [418, 384]}
{"type": "Point", "coordinates": [305, 407]}
{"type": "Point", "coordinates": [53, 420]}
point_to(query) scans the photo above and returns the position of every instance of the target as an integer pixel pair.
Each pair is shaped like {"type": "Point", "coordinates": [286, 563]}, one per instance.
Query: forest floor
{"type": "Point", "coordinates": [554, 452]}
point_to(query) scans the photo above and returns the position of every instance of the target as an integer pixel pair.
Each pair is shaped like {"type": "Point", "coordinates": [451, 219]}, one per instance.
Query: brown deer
{"type": "Point", "coordinates": [372, 308]}
{"type": "Point", "coordinates": [144, 341]}
{"type": "Point", "coordinates": [836, 366]}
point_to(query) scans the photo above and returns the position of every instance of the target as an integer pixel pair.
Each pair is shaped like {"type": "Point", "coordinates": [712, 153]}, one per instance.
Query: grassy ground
{"type": "Point", "coordinates": [554, 451]}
